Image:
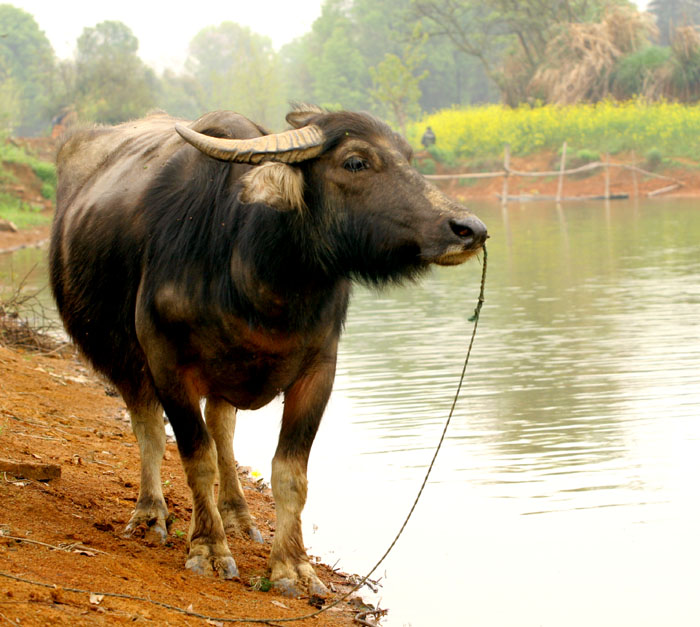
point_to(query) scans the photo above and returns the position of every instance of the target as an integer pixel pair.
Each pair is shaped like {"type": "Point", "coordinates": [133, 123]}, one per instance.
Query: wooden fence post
{"type": "Point", "coordinates": [506, 174]}
{"type": "Point", "coordinates": [562, 167]}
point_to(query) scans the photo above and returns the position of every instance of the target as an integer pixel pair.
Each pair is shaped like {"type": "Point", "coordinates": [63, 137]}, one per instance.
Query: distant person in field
{"type": "Point", "coordinates": [428, 138]}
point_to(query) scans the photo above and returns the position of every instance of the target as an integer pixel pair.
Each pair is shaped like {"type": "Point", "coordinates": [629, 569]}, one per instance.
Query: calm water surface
{"type": "Point", "coordinates": [566, 492]}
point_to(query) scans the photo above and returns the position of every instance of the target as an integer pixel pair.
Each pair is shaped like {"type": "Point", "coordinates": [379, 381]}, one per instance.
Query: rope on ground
{"type": "Point", "coordinates": [271, 621]}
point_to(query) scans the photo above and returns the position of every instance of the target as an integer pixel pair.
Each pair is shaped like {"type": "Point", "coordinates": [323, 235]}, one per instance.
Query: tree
{"type": "Point", "coordinates": [673, 14]}
{"type": "Point", "coordinates": [180, 95]}
{"type": "Point", "coordinates": [396, 83]}
{"type": "Point", "coordinates": [111, 83]}
{"type": "Point", "coordinates": [335, 59]}
{"type": "Point", "coordinates": [26, 66]}
{"type": "Point", "coordinates": [582, 58]}
{"type": "Point", "coordinates": [10, 101]}
{"type": "Point", "coordinates": [508, 37]}
{"type": "Point", "coordinates": [237, 69]}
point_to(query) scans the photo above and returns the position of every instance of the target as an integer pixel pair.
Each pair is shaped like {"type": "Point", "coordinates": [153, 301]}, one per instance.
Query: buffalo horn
{"type": "Point", "coordinates": [288, 147]}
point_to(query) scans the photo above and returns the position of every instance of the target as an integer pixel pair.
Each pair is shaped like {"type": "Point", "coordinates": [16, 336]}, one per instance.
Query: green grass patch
{"type": "Point", "coordinates": [20, 213]}
{"type": "Point", "coordinates": [45, 171]}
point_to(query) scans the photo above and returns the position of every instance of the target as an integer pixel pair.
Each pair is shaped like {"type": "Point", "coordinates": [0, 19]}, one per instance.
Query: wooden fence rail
{"type": "Point", "coordinates": [507, 172]}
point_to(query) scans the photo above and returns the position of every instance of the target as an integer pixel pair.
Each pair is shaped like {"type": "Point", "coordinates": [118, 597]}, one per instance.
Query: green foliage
{"type": "Point", "coordinates": [509, 39]}
{"type": "Point", "coordinates": [426, 166]}
{"type": "Point", "coordinates": [21, 214]}
{"type": "Point", "coordinates": [11, 153]}
{"type": "Point", "coordinates": [45, 171]}
{"type": "Point", "coordinates": [395, 83]}
{"type": "Point", "coordinates": [654, 158]}
{"type": "Point", "coordinates": [236, 69]}
{"type": "Point", "coordinates": [440, 155]}
{"type": "Point", "coordinates": [26, 72]}
{"type": "Point", "coordinates": [48, 191]}
{"type": "Point", "coordinates": [634, 72]}
{"type": "Point", "coordinates": [263, 584]}
{"type": "Point", "coordinates": [110, 84]}
{"type": "Point", "coordinates": [586, 155]}
{"type": "Point", "coordinates": [10, 103]}
{"type": "Point", "coordinates": [334, 59]}
{"type": "Point", "coordinates": [181, 96]}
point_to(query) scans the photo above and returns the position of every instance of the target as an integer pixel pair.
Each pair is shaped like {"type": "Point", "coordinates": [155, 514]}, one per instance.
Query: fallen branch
{"type": "Point", "coordinates": [663, 190]}
{"type": "Point", "coordinates": [68, 548]}
{"type": "Point", "coordinates": [361, 616]}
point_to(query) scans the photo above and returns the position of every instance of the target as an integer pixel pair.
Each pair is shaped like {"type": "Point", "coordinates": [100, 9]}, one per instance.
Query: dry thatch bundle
{"type": "Point", "coordinates": [686, 44]}
{"type": "Point", "coordinates": [581, 59]}
{"type": "Point", "coordinates": [679, 78]}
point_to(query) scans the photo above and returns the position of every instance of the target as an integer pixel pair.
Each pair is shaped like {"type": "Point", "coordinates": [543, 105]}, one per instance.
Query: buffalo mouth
{"type": "Point", "coordinates": [455, 257]}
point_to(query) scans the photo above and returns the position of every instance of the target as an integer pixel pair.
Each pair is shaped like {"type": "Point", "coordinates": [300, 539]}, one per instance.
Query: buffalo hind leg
{"type": "Point", "coordinates": [221, 423]}
{"type": "Point", "coordinates": [151, 511]}
{"type": "Point", "coordinates": [304, 404]}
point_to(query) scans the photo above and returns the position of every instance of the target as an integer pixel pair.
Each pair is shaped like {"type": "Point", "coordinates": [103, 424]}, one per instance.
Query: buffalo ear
{"type": "Point", "coordinates": [277, 185]}
{"type": "Point", "coordinates": [302, 115]}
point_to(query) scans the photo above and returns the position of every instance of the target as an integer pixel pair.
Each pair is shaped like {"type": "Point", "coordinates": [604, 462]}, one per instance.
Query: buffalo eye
{"type": "Point", "coordinates": [355, 164]}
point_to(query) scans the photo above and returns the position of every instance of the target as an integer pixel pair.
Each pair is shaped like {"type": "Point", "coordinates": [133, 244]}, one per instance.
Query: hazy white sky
{"type": "Point", "coordinates": [164, 29]}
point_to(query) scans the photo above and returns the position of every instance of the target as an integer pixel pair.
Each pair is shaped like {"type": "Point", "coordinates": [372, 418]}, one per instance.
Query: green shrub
{"type": "Point", "coordinates": [441, 155]}
{"type": "Point", "coordinates": [633, 71]}
{"type": "Point", "coordinates": [427, 166]}
{"type": "Point", "coordinates": [48, 191]}
{"type": "Point", "coordinates": [45, 171]}
{"type": "Point", "coordinates": [585, 155]}
{"type": "Point", "coordinates": [654, 158]}
{"type": "Point", "coordinates": [21, 214]}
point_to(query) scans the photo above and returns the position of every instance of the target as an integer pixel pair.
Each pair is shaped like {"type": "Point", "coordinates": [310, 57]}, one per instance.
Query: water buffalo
{"type": "Point", "coordinates": [213, 260]}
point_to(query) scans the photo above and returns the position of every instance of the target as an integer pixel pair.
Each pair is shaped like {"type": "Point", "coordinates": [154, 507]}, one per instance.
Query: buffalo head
{"type": "Point", "coordinates": [349, 174]}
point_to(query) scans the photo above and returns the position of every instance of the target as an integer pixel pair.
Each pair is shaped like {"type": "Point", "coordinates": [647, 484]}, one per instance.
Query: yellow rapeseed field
{"type": "Point", "coordinates": [477, 132]}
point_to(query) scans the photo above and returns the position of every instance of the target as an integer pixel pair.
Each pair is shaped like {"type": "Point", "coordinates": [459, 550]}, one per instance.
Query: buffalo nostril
{"type": "Point", "coordinates": [471, 229]}
{"type": "Point", "coordinates": [461, 230]}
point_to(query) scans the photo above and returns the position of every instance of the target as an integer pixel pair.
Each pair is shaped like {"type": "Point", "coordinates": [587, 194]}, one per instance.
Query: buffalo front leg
{"type": "Point", "coordinates": [221, 422]}
{"type": "Point", "coordinates": [150, 512]}
{"type": "Point", "coordinates": [304, 404]}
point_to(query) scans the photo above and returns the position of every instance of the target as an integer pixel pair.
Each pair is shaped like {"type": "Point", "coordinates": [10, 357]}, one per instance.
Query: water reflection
{"type": "Point", "coordinates": [582, 396]}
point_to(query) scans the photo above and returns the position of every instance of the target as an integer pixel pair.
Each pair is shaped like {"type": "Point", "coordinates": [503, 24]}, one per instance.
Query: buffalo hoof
{"type": "Point", "coordinates": [255, 535]}
{"type": "Point", "coordinates": [303, 582]}
{"type": "Point", "coordinates": [241, 524]}
{"type": "Point", "coordinates": [205, 560]}
{"type": "Point", "coordinates": [153, 520]}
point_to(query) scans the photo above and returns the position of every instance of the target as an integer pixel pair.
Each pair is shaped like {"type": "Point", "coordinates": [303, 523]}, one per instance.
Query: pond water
{"type": "Point", "coordinates": [566, 492]}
